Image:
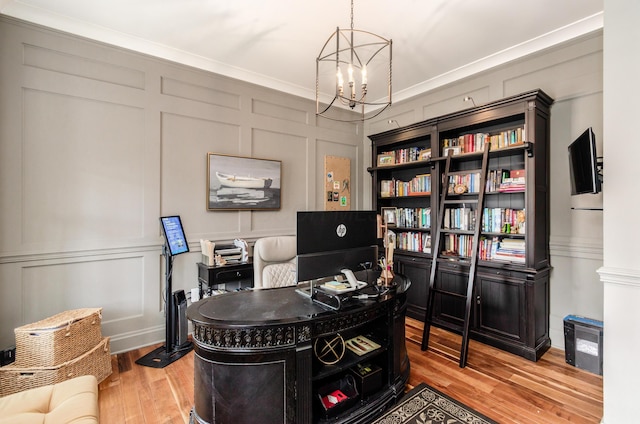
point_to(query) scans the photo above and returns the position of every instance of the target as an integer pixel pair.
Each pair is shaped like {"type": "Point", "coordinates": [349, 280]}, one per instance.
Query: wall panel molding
{"type": "Point", "coordinates": [78, 66]}
{"type": "Point", "coordinates": [620, 276]}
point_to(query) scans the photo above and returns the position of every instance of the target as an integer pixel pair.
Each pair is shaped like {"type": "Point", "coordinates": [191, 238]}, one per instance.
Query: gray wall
{"type": "Point", "coordinates": [572, 75]}
{"type": "Point", "coordinates": [97, 142]}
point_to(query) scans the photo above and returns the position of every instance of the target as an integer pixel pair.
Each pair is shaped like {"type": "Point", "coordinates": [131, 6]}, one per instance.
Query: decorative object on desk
{"type": "Point", "coordinates": [240, 183]}
{"type": "Point", "coordinates": [361, 345]}
{"type": "Point", "coordinates": [329, 350]}
{"type": "Point", "coordinates": [424, 404]}
{"type": "Point", "coordinates": [389, 243]}
{"type": "Point", "coordinates": [208, 248]}
{"type": "Point", "coordinates": [360, 51]}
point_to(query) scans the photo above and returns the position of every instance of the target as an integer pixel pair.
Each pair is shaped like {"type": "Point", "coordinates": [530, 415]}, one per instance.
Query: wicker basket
{"type": "Point", "coordinates": [58, 339]}
{"type": "Point", "coordinates": [96, 362]}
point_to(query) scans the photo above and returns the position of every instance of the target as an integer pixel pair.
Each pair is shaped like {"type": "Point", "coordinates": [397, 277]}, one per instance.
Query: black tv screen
{"type": "Point", "coordinates": [583, 164]}
{"type": "Point", "coordinates": [174, 235]}
{"type": "Point", "coordinates": [329, 241]}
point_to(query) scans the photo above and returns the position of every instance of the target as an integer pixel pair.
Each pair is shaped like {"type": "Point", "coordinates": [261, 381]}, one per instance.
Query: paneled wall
{"type": "Point", "coordinates": [97, 142]}
{"type": "Point", "coordinates": [572, 75]}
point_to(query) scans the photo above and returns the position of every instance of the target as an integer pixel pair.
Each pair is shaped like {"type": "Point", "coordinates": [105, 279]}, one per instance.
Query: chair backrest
{"type": "Point", "coordinates": [274, 262]}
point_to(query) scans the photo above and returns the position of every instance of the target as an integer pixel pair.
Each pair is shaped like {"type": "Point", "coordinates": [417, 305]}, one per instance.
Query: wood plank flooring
{"type": "Point", "coordinates": [505, 387]}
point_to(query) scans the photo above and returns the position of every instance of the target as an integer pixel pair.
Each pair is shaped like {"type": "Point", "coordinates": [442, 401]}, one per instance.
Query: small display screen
{"type": "Point", "coordinates": [174, 235]}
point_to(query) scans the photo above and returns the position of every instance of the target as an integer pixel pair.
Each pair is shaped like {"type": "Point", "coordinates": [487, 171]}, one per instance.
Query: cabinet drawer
{"type": "Point", "coordinates": [232, 275]}
{"type": "Point", "coordinates": [503, 273]}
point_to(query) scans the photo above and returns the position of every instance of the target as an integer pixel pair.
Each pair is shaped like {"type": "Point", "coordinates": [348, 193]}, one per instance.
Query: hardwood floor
{"type": "Point", "coordinates": [504, 387]}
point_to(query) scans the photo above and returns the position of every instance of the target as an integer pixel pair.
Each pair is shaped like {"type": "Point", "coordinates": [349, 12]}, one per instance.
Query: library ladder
{"type": "Point", "coordinates": [447, 198]}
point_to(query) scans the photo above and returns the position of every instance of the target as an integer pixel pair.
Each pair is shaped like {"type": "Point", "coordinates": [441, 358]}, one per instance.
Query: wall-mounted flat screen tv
{"type": "Point", "coordinates": [583, 164]}
{"type": "Point", "coordinates": [174, 235]}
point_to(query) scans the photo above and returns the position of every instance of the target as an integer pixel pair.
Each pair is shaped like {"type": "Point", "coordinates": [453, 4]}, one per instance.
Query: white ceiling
{"type": "Point", "coordinates": [274, 43]}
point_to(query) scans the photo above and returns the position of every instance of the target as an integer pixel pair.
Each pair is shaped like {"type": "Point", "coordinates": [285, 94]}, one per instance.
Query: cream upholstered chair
{"type": "Point", "coordinates": [274, 262]}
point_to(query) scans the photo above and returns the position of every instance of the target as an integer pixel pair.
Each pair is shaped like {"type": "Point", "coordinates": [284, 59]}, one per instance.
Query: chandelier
{"type": "Point", "coordinates": [358, 55]}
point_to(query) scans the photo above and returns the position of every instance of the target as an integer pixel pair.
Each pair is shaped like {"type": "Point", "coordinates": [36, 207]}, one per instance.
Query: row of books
{"type": "Point", "coordinates": [502, 249]}
{"type": "Point", "coordinates": [409, 154]}
{"type": "Point", "coordinates": [494, 220]}
{"type": "Point", "coordinates": [504, 220]}
{"type": "Point", "coordinates": [419, 185]}
{"type": "Point", "coordinates": [460, 219]}
{"type": "Point", "coordinates": [471, 181]}
{"type": "Point", "coordinates": [489, 249]}
{"type": "Point", "coordinates": [505, 180]}
{"type": "Point", "coordinates": [413, 217]}
{"type": "Point", "coordinates": [498, 180]}
{"type": "Point", "coordinates": [414, 241]}
{"type": "Point", "coordinates": [457, 245]}
{"type": "Point", "coordinates": [515, 181]}
{"type": "Point", "coordinates": [469, 143]}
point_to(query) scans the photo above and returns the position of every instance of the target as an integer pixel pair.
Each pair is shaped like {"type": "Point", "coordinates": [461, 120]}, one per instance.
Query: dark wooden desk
{"type": "Point", "coordinates": [255, 363]}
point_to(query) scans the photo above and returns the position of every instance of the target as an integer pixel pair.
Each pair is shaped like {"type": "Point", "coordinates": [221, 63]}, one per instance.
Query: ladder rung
{"type": "Point", "coordinates": [460, 201]}
{"type": "Point", "coordinates": [465, 171]}
{"type": "Point", "coordinates": [458, 260]}
{"type": "Point", "coordinates": [448, 293]}
{"type": "Point", "coordinates": [447, 325]}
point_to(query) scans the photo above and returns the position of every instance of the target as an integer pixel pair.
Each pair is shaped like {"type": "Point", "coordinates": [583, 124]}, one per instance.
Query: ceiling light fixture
{"type": "Point", "coordinates": [360, 55]}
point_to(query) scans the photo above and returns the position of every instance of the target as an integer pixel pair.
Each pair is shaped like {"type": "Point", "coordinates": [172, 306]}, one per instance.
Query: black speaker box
{"type": "Point", "coordinates": [180, 325]}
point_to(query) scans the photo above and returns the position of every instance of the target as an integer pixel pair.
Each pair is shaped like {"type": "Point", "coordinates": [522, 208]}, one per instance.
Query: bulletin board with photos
{"type": "Point", "coordinates": [337, 171]}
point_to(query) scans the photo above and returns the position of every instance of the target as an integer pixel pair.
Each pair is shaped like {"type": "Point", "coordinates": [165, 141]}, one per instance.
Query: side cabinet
{"type": "Point", "coordinates": [417, 270]}
{"type": "Point", "coordinates": [512, 311]}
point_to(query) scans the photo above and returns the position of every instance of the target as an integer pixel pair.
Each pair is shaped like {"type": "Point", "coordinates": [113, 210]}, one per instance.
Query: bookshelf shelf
{"type": "Point", "coordinates": [512, 281]}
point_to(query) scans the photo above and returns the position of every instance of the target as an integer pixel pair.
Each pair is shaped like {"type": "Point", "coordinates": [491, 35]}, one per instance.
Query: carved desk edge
{"type": "Point", "coordinates": [217, 337]}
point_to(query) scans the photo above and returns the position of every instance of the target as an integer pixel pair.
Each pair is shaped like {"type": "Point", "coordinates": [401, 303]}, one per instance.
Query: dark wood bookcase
{"type": "Point", "coordinates": [511, 297]}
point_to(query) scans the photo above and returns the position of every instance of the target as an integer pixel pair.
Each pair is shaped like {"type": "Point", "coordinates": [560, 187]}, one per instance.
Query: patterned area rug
{"type": "Point", "coordinates": [426, 405]}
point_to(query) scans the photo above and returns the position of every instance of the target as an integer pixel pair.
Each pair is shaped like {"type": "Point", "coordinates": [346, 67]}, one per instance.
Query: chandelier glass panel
{"type": "Point", "coordinates": [355, 67]}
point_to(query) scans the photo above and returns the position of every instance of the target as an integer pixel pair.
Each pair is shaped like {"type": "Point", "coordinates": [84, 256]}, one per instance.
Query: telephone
{"type": "Point", "coordinates": [353, 281]}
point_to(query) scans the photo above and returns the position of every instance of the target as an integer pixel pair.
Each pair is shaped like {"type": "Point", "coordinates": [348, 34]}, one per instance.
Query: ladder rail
{"type": "Point", "coordinates": [473, 264]}
{"type": "Point", "coordinates": [464, 350]}
{"type": "Point", "coordinates": [435, 248]}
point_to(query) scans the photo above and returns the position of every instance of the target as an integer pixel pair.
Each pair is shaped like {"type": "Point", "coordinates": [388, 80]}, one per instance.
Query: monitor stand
{"type": "Point", "coordinates": [170, 352]}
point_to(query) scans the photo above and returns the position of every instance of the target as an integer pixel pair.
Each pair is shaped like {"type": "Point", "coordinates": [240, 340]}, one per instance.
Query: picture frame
{"type": "Point", "coordinates": [243, 183]}
{"type": "Point", "coordinates": [388, 216]}
{"type": "Point", "coordinates": [387, 159]}
{"type": "Point", "coordinates": [455, 150]}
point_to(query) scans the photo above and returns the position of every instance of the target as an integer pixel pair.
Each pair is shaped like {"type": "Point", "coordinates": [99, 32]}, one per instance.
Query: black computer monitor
{"type": "Point", "coordinates": [329, 241]}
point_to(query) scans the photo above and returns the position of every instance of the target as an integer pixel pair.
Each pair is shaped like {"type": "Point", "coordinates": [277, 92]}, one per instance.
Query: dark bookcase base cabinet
{"type": "Point", "coordinates": [510, 309]}
{"type": "Point", "coordinates": [510, 303]}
